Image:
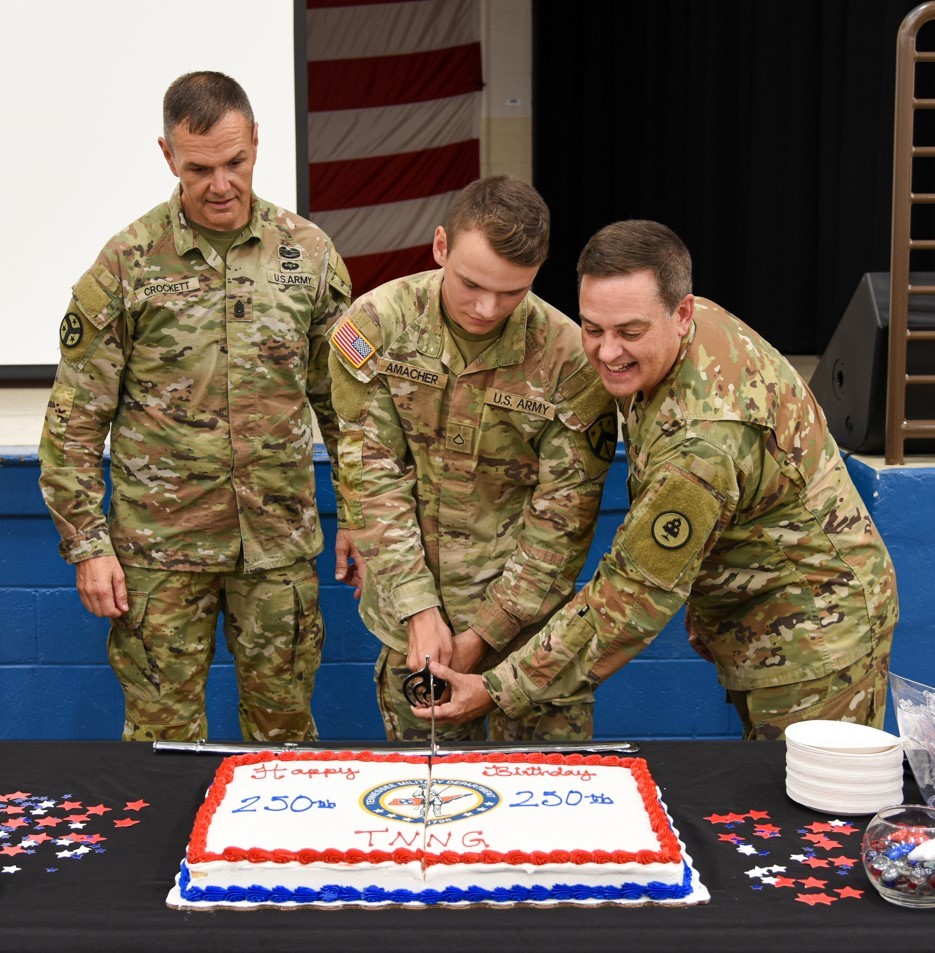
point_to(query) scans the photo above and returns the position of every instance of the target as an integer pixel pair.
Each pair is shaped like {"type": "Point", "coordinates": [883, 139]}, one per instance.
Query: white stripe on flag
{"type": "Point", "coordinates": [388, 130]}
{"type": "Point", "coordinates": [377, 228]}
{"type": "Point", "coordinates": [349, 33]}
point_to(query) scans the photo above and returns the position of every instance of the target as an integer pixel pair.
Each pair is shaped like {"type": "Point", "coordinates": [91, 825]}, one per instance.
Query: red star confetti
{"type": "Point", "coordinates": [843, 861]}
{"type": "Point", "coordinates": [813, 882]}
{"type": "Point", "coordinates": [849, 892]}
{"type": "Point", "coordinates": [819, 840]}
{"type": "Point", "coordinates": [28, 830]}
{"type": "Point", "coordinates": [815, 862]}
{"type": "Point", "coordinates": [766, 830]}
{"type": "Point", "coordinates": [779, 866]}
{"type": "Point", "coordinates": [812, 898]}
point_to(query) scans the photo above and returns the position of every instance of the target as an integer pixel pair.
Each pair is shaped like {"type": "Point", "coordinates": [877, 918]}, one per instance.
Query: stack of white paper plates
{"type": "Point", "coordinates": [841, 768]}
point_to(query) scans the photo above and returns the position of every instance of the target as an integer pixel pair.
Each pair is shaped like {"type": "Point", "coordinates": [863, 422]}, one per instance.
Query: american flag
{"type": "Point", "coordinates": [351, 343]}
{"type": "Point", "coordinates": [394, 126]}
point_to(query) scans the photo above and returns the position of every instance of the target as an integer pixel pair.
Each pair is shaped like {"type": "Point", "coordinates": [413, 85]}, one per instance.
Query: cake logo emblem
{"type": "Point", "coordinates": [444, 801]}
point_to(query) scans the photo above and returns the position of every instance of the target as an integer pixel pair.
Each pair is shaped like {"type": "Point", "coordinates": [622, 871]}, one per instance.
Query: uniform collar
{"type": "Point", "coordinates": [664, 401]}
{"type": "Point", "coordinates": [511, 345]}
{"type": "Point", "coordinates": [185, 236]}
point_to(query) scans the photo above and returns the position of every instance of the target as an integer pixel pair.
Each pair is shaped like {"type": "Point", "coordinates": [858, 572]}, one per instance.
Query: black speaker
{"type": "Point", "coordinates": [850, 379]}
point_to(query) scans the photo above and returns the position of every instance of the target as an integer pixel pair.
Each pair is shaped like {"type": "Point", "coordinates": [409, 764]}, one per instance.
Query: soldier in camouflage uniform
{"type": "Point", "coordinates": [740, 506]}
{"type": "Point", "coordinates": [197, 340]}
{"type": "Point", "coordinates": [475, 440]}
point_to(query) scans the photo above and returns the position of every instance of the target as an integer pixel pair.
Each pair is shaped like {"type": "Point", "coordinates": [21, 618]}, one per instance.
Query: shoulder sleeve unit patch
{"type": "Point", "coordinates": [669, 525]}
{"type": "Point", "coordinates": [349, 341]}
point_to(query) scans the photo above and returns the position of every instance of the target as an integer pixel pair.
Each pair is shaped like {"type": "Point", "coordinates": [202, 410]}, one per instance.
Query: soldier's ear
{"type": "Point", "coordinates": [167, 153]}
{"type": "Point", "coordinates": [683, 314]}
{"type": "Point", "coordinates": [440, 246]}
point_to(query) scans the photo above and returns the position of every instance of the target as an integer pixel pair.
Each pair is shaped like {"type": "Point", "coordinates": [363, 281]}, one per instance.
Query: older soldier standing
{"type": "Point", "coordinates": [740, 505]}
{"type": "Point", "coordinates": [475, 440]}
{"type": "Point", "coordinates": [197, 339]}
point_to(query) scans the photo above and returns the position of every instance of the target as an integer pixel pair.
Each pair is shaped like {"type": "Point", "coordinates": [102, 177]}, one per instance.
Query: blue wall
{"type": "Point", "coordinates": [55, 681]}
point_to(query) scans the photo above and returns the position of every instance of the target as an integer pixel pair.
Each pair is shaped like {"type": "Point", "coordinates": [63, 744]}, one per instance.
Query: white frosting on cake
{"type": "Point", "coordinates": [542, 807]}
{"type": "Point", "coordinates": [326, 827]}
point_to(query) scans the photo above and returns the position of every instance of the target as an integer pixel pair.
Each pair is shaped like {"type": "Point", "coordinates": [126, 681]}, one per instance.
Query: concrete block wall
{"type": "Point", "coordinates": [55, 681]}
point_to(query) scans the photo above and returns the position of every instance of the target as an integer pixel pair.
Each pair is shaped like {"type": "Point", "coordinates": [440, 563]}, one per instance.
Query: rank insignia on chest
{"type": "Point", "coordinates": [70, 331]}
{"type": "Point", "coordinates": [348, 340]}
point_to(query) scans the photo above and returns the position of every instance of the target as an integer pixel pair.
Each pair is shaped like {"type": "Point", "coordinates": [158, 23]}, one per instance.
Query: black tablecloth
{"type": "Point", "coordinates": [137, 808]}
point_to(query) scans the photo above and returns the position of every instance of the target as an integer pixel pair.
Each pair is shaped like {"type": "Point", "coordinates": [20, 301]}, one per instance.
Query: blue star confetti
{"type": "Point", "coordinates": [41, 833]}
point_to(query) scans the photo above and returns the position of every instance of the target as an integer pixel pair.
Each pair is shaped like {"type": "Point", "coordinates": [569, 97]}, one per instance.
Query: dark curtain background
{"type": "Point", "coordinates": [760, 131]}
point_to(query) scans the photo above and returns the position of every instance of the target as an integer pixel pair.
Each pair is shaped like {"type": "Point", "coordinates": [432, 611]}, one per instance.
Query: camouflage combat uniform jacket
{"type": "Point", "coordinates": [475, 489]}
{"type": "Point", "coordinates": [205, 376]}
{"type": "Point", "coordinates": [740, 505]}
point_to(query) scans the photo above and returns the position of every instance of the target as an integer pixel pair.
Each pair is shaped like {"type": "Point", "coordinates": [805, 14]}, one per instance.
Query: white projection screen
{"type": "Point", "coordinates": [83, 82]}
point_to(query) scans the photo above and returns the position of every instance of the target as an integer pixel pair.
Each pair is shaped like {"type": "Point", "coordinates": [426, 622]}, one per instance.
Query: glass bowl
{"type": "Point", "coordinates": [898, 851]}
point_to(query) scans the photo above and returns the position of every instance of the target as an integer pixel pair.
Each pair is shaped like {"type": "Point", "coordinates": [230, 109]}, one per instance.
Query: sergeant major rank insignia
{"type": "Point", "coordinates": [71, 331]}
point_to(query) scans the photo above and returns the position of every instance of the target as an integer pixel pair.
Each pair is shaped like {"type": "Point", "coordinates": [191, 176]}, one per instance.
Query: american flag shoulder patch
{"type": "Point", "coordinates": [351, 343]}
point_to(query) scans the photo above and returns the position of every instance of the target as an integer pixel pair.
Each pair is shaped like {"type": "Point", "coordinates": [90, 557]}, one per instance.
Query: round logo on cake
{"type": "Point", "coordinates": [443, 802]}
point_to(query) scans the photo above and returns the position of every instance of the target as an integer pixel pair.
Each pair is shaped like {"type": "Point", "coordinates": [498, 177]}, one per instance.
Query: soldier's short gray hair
{"type": "Point", "coordinates": [510, 214]}
{"type": "Point", "coordinates": [203, 99]}
{"type": "Point", "coordinates": [623, 248]}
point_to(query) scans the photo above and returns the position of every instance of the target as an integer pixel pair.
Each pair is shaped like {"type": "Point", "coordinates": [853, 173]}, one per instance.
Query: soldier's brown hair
{"type": "Point", "coordinates": [623, 248]}
{"type": "Point", "coordinates": [510, 214]}
{"type": "Point", "coordinates": [203, 99]}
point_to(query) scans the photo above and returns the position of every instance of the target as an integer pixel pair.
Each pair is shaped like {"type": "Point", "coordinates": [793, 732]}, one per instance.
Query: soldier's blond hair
{"type": "Point", "coordinates": [202, 99]}
{"type": "Point", "coordinates": [510, 214]}
{"type": "Point", "coordinates": [623, 248]}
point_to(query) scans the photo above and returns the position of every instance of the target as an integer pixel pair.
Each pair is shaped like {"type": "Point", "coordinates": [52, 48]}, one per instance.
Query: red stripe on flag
{"type": "Point", "coordinates": [393, 178]}
{"type": "Point", "coordinates": [369, 271]}
{"type": "Point", "coordinates": [393, 80]}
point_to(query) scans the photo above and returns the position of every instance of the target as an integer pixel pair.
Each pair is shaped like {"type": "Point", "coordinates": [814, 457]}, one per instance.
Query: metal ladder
{"type": "Point", "coordinates": [899, 429]}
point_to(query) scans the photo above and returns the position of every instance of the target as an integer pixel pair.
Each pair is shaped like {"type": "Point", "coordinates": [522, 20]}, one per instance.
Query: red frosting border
{"type": "Point", "coordinates": [198, 852]}
{"type": "Point", "coordinates": [669, 851]}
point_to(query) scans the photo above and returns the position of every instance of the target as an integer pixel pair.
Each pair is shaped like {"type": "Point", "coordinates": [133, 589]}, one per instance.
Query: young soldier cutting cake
{"type": "Point", "coordinates": [475, 440]}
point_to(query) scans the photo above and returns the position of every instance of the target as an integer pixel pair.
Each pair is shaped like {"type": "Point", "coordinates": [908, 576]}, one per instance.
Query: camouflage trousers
{"type": "Point", "coordinates": [548, 722]}
{"type": "Point", "coordinates": [162, 648]}
{"type": "Point", "coordinates": [855, 693]}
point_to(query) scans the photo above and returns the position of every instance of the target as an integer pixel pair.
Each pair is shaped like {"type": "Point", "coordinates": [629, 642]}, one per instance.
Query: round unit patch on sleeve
{"type": "Point", "coordinates": [669, 524]}
{"type": "Point", "coordinates": [71, 330]}
{"type": "Point", "coordinates": [672, 530]}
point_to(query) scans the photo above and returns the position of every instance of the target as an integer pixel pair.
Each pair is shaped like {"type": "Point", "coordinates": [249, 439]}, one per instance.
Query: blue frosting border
{"type": "Point", "coordinates": [333, 893]}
